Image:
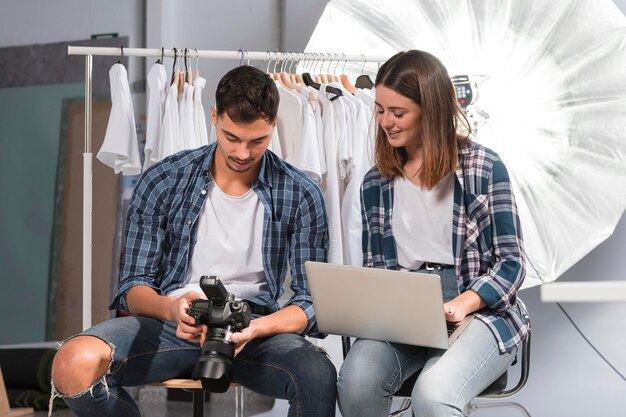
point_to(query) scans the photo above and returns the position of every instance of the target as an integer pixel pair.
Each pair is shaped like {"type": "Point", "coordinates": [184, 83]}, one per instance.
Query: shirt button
{"type": "Point", "coordinates": [203, 192]}
{"type": "Point", "coordinates": [188, 221]}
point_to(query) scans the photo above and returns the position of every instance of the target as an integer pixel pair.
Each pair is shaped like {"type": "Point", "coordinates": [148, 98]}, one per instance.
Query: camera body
{"type": "Point", "coordinates": [224, 316]}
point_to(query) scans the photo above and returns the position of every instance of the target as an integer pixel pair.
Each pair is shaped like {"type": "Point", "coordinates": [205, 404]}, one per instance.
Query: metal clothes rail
{"type": "Point", "coordinates": [90, 52]}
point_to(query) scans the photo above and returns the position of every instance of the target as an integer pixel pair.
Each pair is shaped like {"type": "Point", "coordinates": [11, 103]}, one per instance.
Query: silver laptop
{"type": "Point", "coordinates": [394, 306]}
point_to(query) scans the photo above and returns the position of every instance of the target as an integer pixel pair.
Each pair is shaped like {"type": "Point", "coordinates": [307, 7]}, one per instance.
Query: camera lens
{"type": "Point", "coordinates": [214, 367]}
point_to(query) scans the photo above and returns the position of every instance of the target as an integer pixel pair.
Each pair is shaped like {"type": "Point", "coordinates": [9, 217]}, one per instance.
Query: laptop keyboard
{"type": "Point", "coordinates": [452, 327]}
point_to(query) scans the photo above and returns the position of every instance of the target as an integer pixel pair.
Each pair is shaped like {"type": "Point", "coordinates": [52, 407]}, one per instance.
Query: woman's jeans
{"type": "Point", "coordinates": [146, 350]}
{"type": "Point", "coordinates": [449, 379]}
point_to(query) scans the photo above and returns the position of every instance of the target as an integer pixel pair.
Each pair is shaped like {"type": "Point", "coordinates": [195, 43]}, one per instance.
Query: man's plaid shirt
{"type": "Point", "coordinates": [486, 237]}
{"type": "Point", "coordinates": [163, 218]}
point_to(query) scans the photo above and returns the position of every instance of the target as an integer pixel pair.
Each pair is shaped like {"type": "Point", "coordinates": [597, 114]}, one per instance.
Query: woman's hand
{"type": "Point", "coordinates": [454, 312]}
{"type": "Point", "coordinates": [462, 305]}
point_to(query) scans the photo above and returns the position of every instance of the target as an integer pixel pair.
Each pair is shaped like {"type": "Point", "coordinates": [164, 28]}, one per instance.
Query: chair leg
{"type": "Point", "coordinates": [238, 401]}
{"type": "Point", "coordinates": [473, 407]}
{"type": "Point", "coordinates": [405, 405]}
{"type": "Point", "coordinates": [197, 402]}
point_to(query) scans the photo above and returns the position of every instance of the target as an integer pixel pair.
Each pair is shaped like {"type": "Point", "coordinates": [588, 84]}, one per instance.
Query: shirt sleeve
{"type": "Point", "coordinates": [499, 285]}
{"type": "Point", "coordinates": [309, 242]}
{"type": "Point", "coordinates": [144, 238]}
{"type": "Point", "coordinates": [368, 260]}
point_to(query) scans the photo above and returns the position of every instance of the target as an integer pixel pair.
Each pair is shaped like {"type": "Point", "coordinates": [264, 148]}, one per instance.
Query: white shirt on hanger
{"type": "Point", "coordinates": [199, 118]}
{"type": "Point", "coordinates": [330, 183]}
{"type": "Point", "coordinates": [187, 128]}
{"type": "Point", "coordinates": [170, 138]}
{"type": "Point", "coordinates": [308, 153]}
{"type": "Point", "coordinates": [275, 145]}
{"type": "Point", "coordinates": [360, 163]}
{"type": "Point", "coordinates": [157, 91]}
{"type": "Point", "coordinates": [312, 97]}
{"type": "Point", "coordinates": [120, 149]}
{"type": "Point", "coordinates": [289, 124]}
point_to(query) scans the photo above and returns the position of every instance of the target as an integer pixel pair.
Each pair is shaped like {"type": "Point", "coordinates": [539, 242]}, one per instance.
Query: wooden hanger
{"type": "Point", "coordinates": [345, 81]}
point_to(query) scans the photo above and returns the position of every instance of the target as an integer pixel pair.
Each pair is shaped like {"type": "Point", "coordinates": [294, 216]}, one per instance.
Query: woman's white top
{"type": "Point", "coordinates": [229, 244]}
{"type": "Point", "coordinates": [422, 222]}
{"type": "Point", "coordinates": [120, 149]}
{"type": "Point", "coordinates": [157, 91]}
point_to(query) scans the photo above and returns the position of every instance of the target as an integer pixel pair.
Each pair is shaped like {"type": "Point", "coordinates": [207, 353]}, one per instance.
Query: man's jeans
{"type": "Point", "coordinates": [146, 350]}
{"type": "Point", "coordinates": [449, 379]}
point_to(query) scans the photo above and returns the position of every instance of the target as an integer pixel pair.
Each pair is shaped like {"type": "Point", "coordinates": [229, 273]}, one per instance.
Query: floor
{"type": "Point", "coordinates": [279, 408]}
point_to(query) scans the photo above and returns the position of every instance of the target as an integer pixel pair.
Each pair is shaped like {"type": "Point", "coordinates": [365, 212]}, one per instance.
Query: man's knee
{"type": "Point", "coordinates": [79, 363]}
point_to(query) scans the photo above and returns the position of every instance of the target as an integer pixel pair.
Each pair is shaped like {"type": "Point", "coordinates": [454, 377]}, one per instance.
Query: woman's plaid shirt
{"type": "Point", "coordinates": [486, 237]}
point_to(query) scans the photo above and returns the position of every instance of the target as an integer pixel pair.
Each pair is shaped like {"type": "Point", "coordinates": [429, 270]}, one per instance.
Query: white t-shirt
{"type": "Point", "coordinates": [229, 245]}
{"type": "Point", "coordinates": [309, 154]}
{"type": "Point", "coordinates": [186, 125]}
{"type": "Point", "coordinates": [157, 91]}
{"type": "Point", "coordinates": [351, 203]}
{"type": "Point", "coordinates": [289, 125]}
{"type": "Point", "coordinates": [170, 139]}
{"type": "Point", "coordinates": [120, 149]}
{"type": "Point", "coordinates": [330, 182]}
{"type": "Point", "coordinates": [422, 222]}
{"type": "Point", "coordinates": [199, 118]}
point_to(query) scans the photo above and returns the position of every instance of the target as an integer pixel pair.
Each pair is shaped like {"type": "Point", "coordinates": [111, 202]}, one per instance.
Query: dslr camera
{"type": "Point", "coordinates": [224, 316]}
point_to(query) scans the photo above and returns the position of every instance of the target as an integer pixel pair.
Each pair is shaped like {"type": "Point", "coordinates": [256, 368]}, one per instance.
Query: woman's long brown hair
{"type": "Point", "coordinates": [422, 78]}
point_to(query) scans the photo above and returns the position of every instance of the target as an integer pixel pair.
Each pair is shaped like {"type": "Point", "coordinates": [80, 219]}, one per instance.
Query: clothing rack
{"type": "Point", "coordinates": [90, 52]}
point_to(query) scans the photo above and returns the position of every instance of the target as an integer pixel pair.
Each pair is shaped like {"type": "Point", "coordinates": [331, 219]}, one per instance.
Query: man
{"type": "Point", "coordinates": [233, 210]}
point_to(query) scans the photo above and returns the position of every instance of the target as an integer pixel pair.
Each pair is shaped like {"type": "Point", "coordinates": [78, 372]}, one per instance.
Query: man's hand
{"type": "Point", "coordinates": [187, 329]}
{"type": "Point", "coordinates": [241, 338]}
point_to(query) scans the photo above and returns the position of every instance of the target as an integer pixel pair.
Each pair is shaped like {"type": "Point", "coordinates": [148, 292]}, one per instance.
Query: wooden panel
{"type": "Point", "coordinates": [67, 296]}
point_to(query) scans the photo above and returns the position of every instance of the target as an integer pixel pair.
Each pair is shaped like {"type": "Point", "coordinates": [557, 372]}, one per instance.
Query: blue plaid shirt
{"type": "Point", "coordinates": [486, 238]}
{"type": "Point", "coordinates": [163, 217]}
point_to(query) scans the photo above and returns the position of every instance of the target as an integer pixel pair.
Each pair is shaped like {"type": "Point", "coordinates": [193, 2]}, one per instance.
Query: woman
{"type": "Point", "coordinates": [436, 202]}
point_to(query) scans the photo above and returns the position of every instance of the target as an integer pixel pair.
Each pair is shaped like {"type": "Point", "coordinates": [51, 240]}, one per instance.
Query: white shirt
{"type": "Point", "coordinates": [289, 124]}
{"type": "Point", "coordinates": [308, 152]}
{"type": "Point", "coordinates": [422, 222]}
{"type": "Point", "coordinates": [186, 125]}
{"type": "Point", "coordinates": [360, 163]}
{"type": "Point", "coordinates": [120, 149]}
{"type": "Point", "coordinates": [170, 139]}
{"type": "Point", "coordinates": [199, 118]}
{"type": "Point", "coordinates": [330, 183]}
{"type": "Point", "coordinates": [157, 91]}
{"type": "Point", "coordinates": [229, 244]}
{"type": "Point", "coordinates": [312, 97]}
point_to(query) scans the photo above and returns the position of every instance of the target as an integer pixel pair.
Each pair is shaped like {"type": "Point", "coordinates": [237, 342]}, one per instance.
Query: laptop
{"type": "Point", "coordinates": [395, 306]}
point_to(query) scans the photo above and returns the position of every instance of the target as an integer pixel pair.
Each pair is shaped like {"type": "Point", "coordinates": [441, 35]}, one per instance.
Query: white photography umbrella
{"type": "Point", "coordinates": [550, 98]}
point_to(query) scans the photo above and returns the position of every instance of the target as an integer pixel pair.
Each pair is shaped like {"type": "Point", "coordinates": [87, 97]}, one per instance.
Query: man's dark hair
{"type": "Point", "coordinates": [247, 94]}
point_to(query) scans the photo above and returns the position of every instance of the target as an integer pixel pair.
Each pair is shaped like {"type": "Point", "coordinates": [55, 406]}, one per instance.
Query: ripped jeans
{"type": "Point", "coordinates": [146, 350]}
